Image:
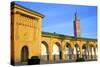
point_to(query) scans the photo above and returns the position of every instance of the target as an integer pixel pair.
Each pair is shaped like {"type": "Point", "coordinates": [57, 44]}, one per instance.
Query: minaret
{"type": "Point", "coordinates": [76, 26]}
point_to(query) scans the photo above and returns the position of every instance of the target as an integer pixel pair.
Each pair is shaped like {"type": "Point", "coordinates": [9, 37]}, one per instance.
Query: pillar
{"type": "Point", "coordinates": [50, 50]}
{"type": "Point", "coordinates": [63, 56]}
{"type": "Point", "coordinates": [80, 52]}
{"type": "Point", "coordinates": [95, 56]}
{"type": "Point", "coordinates": [73, 58]}
{"type": "Point", "coordinates": [50, 57]}
{"type": "Point", "coordinates": [88, 51]}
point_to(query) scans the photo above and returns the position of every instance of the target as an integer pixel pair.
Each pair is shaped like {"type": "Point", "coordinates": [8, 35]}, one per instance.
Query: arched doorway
{"type": "Point", "coordinates": [68, 52]}
{"type": "Point", "coordinates": [56, 52]}
{"type": "Point", "coordinates": [77, 49]}
{"type": "Point", "coordinates": [44, 51]}
{"type": "Point", "coordinates": [24, 54]}
{"type": "Point", "coordinates": [84, 51]}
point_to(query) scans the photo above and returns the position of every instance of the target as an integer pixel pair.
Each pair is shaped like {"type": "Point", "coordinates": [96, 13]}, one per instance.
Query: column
{"type": "Point", "coordinates": [88, 51]}
{"type": "Point", "coordinates": [95, 56]}
{"type": "Point", "coordinates": [73, 54]}
{"type": "Point", "coordinates": [63, 56]}
{"type": "Point", "coordinates": [80, 52]}
{"type": "Point", "coordinates": [50, 57]}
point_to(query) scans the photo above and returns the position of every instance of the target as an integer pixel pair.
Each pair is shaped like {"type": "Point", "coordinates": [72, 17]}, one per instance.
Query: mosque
{"type": "Point", "coordinates": [28, 40]}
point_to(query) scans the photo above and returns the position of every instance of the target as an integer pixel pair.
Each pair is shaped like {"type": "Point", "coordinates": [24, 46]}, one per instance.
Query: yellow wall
{"type": "Point", "coordinates": [26, 31]}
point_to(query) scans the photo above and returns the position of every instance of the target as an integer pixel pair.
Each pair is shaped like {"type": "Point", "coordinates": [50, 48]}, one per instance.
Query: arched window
{"type": "Point", "coordinates": [84, 51]}
{"type": "Point", "coordinates": [44, 51]}
{"type": "Point", "coordinates": [77, 49]}
{"type": "Point", "coordinates": [68, 52]}
{"type": "Point", "coordinates": [56, 52]}
{"type": "Point", "coordinates": [91, 52]}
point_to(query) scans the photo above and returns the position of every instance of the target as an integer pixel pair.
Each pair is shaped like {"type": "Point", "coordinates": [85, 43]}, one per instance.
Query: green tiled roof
{"type": "Point", "coordinates": [64, 36]}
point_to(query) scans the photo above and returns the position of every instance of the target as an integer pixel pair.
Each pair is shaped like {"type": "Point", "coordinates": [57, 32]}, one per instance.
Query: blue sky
{"type": "Point", "coordinates": [59, 18]}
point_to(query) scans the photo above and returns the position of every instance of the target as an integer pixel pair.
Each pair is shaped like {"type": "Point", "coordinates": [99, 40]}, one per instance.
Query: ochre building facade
{"type": "Point", "coordinates": [28, 40]}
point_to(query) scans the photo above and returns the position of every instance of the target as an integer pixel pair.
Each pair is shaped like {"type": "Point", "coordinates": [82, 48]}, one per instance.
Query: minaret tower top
{"type": "Point", "coordinates": [76, 16]}
{"type": "Point", "coordinates": [76, 26]}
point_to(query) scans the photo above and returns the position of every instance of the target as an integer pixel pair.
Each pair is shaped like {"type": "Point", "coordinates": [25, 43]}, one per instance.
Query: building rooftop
{"type": "Point", "coordinates": [13, 4]}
